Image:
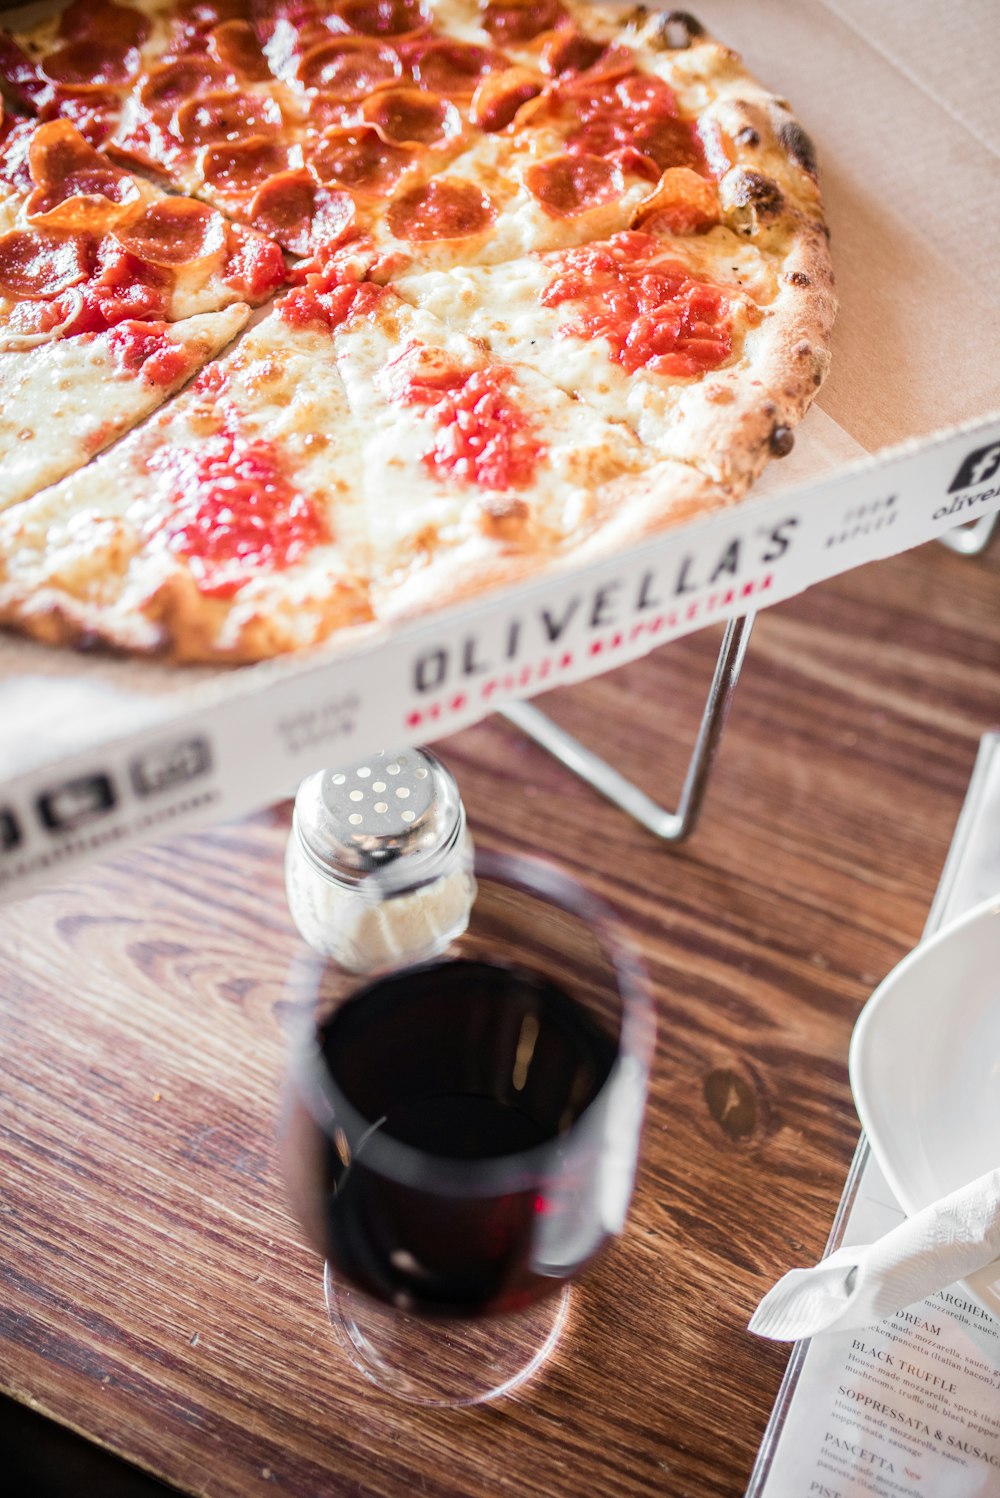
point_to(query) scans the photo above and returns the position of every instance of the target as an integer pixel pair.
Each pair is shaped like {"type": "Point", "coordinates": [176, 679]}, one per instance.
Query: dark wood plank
{"type": "Point", "coordinates": [156, 1294]}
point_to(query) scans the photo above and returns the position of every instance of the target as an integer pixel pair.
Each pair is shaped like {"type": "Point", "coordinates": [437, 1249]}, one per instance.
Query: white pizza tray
{"type": "Point", "coordinates": [904, 445]}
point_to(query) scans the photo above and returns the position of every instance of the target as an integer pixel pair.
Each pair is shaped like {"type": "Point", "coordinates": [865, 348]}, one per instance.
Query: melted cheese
{"type": "Point", "coordinates": [409, 505]}
{"type": "Point", "coordinates": [287, 391]}
{"type": "Point", "coordinates": [501, 305]}
{"type": "Point", "coordinates": [75, 387]}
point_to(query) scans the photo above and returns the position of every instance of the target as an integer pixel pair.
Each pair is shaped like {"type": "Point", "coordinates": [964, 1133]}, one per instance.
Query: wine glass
{"type": "Point", "coordinates": [460, 1136]}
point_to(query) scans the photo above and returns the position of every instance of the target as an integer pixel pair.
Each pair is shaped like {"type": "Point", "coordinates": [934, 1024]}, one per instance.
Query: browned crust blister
{"type": "Point", "coordinates": [735, 420]}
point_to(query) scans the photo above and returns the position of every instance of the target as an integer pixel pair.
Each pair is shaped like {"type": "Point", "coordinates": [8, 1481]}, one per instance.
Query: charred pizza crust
{"type": "Point", "coordinates": [506, 139]}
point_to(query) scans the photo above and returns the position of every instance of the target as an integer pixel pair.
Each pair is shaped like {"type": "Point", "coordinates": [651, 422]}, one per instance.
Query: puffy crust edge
{"type": "Point", "coordinates": [159, 611]}
{"type": "Point", "coordinates": [168, 628]}
{"type": "Point", "coordinates": [770, 198]}
{"type": "Point", "coordinates": [748, 411]}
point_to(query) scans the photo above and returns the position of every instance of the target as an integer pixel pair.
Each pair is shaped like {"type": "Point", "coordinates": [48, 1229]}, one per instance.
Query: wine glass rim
{"type": "Point", "coordinates": [411, 1166]}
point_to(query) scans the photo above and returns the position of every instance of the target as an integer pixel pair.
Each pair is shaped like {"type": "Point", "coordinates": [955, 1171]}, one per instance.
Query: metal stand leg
{"type": "Point", "coordinates": [971, 540]}
{"type": "Point", "coordinates": [670, 826]}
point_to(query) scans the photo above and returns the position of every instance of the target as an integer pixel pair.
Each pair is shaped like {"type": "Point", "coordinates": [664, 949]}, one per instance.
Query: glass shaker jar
{"type": "Point", "coordinates": [378, 867]}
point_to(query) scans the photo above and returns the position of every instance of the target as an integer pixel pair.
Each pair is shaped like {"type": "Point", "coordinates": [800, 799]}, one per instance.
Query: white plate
{"type": "Point", "coordinates": [925, 1069]}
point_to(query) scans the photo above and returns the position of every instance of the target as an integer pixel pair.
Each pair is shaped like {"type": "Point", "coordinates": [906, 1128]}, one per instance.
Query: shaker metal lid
{"type": "Point", "coordinates": [390, 814]}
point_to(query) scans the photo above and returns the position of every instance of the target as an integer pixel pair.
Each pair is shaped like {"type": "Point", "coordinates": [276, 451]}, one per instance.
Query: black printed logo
{"type": "Point", "coordinates": [78, 801]}
{"type": "Point", "coordinates": [169, 765]}
{"type": "Point", "coordinates": [977, 468]}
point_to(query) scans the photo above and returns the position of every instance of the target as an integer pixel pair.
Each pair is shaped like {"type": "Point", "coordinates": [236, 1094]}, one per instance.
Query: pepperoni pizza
{"type": "Point", "coordinates": [544, 277]}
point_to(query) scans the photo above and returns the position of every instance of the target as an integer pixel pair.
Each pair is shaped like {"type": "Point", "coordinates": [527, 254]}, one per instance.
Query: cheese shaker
{"type": "Point", "coordinates": [378, 866]}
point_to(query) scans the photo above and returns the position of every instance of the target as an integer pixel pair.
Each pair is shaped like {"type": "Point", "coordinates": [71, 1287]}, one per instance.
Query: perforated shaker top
{"type": "Point", "coordinates": [393, 817]}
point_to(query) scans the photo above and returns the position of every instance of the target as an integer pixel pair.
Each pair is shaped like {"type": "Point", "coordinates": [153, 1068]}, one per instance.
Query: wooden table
{"type": "Point", "coordinates": [156, 1295]}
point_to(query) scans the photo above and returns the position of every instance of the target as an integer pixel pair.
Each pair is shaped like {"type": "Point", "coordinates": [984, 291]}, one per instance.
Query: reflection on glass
{"type": "Point", "coordinates": [461, 1136]}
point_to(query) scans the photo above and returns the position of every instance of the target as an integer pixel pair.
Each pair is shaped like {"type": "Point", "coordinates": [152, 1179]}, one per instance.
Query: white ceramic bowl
{"type": "Point", "coordinates": [925, 1069]}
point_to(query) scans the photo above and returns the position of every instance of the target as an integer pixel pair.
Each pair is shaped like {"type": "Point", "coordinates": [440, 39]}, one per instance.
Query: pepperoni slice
{"type": "Point", "coordinates": [299, 214]}
{"type": "Point", "coordinates": [172, 83]}
{"type": "Point", "coordinates": [683, 203]}
{"type": "Point", "coordinates": [573, 184]}
{"type": "Point", "coordinates": [103, 22]}
{"type": "Point", "coordinates": [351, 67]}
{"type": "Point", "coordinates": [176, 231]}
{"type": "Point", "coordinates": [235, 45]}
{"type": "Point", "coordinates": [96, 202]}
{"type": "Point", "coordinates": [444, 208]}
{"type": "Point", "coordinates": [393, 18]}
{"type": "Point", "coordinates": [86, 65]}
{"type": "Point", "coordinates": [636, 118]}
{"type": "Point", "coordinates": [244, 165]}
{"type": "Point", "coordinates": [325, 110]}
{"type": "Point", "coordinates": [34, 263]}
{"type": "Point", "coordinates": [226, 116]}
{"type": "Point", "coordinates": [95, 114]}
{"type": "Point", "coordinates": [77, 187]}
{"type": "Point", "coordinates": [453, 68]}
{"type": "Point", "coordinates": [516, 21]}
{"type": "Point", "coordinates": [499, 97]}
{"type": "Point", "coordinates": [570, 53]}
{"type": "Point", "coordinates": [409, 116]}
{"type": "Point", "coordinates": [23, 82]}
{"type": "Point", "coordinates": [58, 151]}
{"type": "Point", "coordinates": [671, 143]}
{"type": "Point", "coordinates": [357, 157]}
{"type": "Point", "coordinates": [72, 176]}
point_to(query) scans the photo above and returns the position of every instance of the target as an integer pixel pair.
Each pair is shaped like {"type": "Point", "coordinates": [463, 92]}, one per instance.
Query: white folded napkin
{"type": "Point", "coordinates": [857, 1286]}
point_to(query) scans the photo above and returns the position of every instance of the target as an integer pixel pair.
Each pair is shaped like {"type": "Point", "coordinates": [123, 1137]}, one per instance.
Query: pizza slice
{"type": "Point", "coordinates": [695, 343]}
{"type": "Point", "coordinates": [112, 295]}
{"type": "Point", "coordinates": [93, 388]}
{"type": "Point", "coordinates": [230, 526]}
{"type": "Point", "coordinates": [476, 470]}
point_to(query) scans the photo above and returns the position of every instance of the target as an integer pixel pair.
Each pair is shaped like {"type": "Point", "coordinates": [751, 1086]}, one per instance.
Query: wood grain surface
{"type": "Point", "coordinates": [156, 1294]}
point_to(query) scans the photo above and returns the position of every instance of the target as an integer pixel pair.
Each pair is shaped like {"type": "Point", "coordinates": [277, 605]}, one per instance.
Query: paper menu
{"type": "Point", "coordinates": [909, 1408]}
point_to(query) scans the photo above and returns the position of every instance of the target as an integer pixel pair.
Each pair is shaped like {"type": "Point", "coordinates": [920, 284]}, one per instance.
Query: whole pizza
{"type": "Point", "coordinates": [318, 313]}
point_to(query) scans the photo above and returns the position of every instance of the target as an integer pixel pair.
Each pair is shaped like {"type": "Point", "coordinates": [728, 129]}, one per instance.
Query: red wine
{"type": "Point", "coordinates": [454, 1181]}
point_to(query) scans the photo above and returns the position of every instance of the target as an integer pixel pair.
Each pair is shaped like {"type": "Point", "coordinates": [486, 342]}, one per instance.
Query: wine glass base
{"type": "Point", "coordinates": [445, 1363]}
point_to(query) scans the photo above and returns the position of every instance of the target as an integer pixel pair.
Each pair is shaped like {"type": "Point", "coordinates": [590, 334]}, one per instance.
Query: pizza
{"type": "Point", "coordinates": [316, 314]}
{"type": "Point", "coordinates": [112, 294]}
